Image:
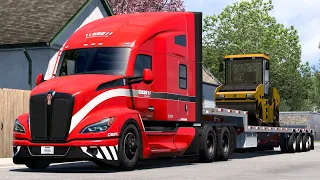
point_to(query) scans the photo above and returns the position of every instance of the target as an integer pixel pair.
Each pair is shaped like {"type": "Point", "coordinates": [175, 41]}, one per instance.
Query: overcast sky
{"type": "Point", "coordinates": [304, 15]}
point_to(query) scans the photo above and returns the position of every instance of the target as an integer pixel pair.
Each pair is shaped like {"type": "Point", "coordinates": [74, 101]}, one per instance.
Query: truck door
{"type": "Point", "coordinates": [183, 91]}
{"type": "Point", "coordinates": [141, 90]}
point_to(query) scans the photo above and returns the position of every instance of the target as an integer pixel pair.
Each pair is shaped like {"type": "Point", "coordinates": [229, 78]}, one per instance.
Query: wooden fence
{"type": "Point", "coordinates": [12, 104]}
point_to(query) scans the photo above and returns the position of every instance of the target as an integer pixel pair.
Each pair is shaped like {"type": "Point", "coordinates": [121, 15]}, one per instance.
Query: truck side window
{"type": "Point", "coordinates": [180, 40]}
{"type": "Point", "coordinates": [182, 76]}
{"type": "Point", "coordinates": [142, 62]}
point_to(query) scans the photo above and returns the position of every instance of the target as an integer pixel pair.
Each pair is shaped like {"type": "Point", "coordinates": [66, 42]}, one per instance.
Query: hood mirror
{"type": "Point", "coordinates": [147, 76]}
{"type": "Point", "coordinates": [39, 79]}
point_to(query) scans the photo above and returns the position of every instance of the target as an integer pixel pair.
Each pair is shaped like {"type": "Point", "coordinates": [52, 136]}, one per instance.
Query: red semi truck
{"type": "Point", "coordinates": [129, 87]}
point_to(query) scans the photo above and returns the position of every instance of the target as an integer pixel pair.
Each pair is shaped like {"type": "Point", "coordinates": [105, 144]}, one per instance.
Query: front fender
{"type": "Point", "coordinates": [121, 116]}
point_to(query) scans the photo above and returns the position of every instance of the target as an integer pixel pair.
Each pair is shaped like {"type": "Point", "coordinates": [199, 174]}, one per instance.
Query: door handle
{"type": "Point", "coordinates": [186, 107]}
{"type": "Point", "coordinates": [1, 126]}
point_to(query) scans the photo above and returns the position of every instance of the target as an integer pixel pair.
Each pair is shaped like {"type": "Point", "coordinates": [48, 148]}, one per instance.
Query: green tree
{"type": "Point", "coordinates": [247, 27]}
{"type": "Point", "coordinates": [315, 91]}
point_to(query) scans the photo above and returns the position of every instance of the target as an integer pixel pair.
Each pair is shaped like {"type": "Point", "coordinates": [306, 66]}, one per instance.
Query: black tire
{"type": "Point", "coordinates": [309, 142]}
{"type": "Point", "coordinates": [129, 148]}
{"type": "Point", "coordinates": [233, 134]}
{"type": "Point", "coordinates": [224, 145]}
{"type": "Point", "coordinates": [283, 143]}
{"type": "Point", "coordinates": [292, 143]}
{"type": "Point", "coordinates": [38, 164]}
{"type": "Point", "coordinates": [299, 143]}
{"type": "Point", "coordinates": [312, 142]}
{"type": "Point", "coordinates": [208, 149]}
{"type": "Point", "coordinates": [305, 143]}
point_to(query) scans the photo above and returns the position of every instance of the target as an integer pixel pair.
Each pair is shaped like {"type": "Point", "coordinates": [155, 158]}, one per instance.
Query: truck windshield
{"type": "Point", "coordinates": [104, 60]}
{"type": "Point", "coordinates": [247, 71]}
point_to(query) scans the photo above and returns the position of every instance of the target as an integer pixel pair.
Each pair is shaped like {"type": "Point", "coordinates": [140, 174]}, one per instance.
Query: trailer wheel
{"type": "Point", "coordinates": [292, 143]}
{"type": "Point", "coordinates": [283, 143]}
{"type": "Point", "coordinates": [299, 143]}
{"type": "Point", "coordinates": [38, 164]}
{"type": "Point", "coordinates": [129, 148]}
{"type": "Point", "coordinates": [305, 145]}
{"type": "Point", "coordinates": [312, 142]}
{"type": "Point", "coordinates": [209, 144]}
{"type": "Point", "coordinates": [233, 134]}
{"type": "Point", "coordinates": [224, 144]}
{"type": "Point", "coordinates": [309, 142]}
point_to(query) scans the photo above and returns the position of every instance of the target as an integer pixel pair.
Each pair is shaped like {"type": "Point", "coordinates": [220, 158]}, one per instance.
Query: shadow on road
{"type": "Point", "coordinates": [248, 155]}
{"type": "Point", "coordinates": [88, 167]}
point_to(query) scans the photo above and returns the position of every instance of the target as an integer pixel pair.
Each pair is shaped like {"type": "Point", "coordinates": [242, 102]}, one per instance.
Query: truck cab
{"type": "Point", "coordinates": [123, 88]}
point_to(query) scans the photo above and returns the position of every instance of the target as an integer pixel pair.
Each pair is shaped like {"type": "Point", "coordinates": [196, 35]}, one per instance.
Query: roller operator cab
{"type": "Point", "coordinates": [123, 88]}
{"type": "Point", "coordinates": [247, 88]}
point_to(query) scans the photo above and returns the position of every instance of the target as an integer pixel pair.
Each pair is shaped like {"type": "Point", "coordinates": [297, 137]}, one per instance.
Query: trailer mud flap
{"type": "Point", "coordinates": [247, 140]}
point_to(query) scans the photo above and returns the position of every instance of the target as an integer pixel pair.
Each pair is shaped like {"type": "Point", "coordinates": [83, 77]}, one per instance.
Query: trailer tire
{"type": "Point", "coordinates": [305, 145]}
{"type": "Point", "coordinates": [292, 143]}
{"type": "Point", "coordinates": [312, 142]}
{"type": "Point", "coordinates": [283, 143]}
{"type": "Point", "coordinates": [129, 148]}
{"type": "Point", "coordinates": [38, 164]}
{"type": "Point", "coordinates": [208, 148]}
{"type": "Point", "coordinates": [299, 143]}
{"type": "Point", "coordinates": [224, 145]}
{"type": "Point", "coordinates": [233, 134]}
{"type": "Point", "coordinates": [309, 142]}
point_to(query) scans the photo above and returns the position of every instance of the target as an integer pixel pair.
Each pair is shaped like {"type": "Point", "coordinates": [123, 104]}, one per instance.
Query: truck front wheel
{"type": "Point", "coordinates": [129, 148]}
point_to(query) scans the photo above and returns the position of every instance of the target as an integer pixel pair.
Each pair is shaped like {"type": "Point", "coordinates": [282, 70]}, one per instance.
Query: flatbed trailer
{"type": "Point", "coordinates": [288, 139]}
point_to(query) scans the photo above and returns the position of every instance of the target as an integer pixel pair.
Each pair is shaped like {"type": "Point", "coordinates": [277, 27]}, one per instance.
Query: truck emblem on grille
{"type": "Point", "coordinates": [49, 97]}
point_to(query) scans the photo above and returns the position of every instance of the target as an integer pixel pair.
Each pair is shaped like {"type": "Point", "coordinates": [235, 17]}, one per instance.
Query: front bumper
{"type": "Point", "coordinates": [104, 151]}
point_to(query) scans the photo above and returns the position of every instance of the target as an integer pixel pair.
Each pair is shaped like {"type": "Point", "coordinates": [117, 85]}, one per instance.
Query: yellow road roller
{"type": "Point", "coordinates": [246, 87]}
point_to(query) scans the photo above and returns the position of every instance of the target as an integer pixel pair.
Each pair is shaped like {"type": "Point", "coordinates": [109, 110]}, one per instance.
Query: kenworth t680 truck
{"type": "Point", "coordinates": [128, 88]}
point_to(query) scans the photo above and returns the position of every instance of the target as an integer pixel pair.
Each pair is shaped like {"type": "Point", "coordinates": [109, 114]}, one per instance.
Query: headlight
{"type": "Point", "coordinates": [99, 126]}
{"type": "Point", "coordinates": [18, 127]}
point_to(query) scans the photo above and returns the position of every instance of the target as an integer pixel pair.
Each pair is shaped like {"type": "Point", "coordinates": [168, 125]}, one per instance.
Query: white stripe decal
{"type": "Point", "coordinates": [95, 102]}
{"type": "Point", "coordinates": [106, 152]}
{"type": "Point", "coordinates": [84, 149]}
{"type": "Point", "coordinates": [114, 154]}
{"type": "Point", "coordinates": [142, 123]}
{"type": "Point", "coordinates": [99, 155]}
{"type": "Point", "coordinates": [18, 149]}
